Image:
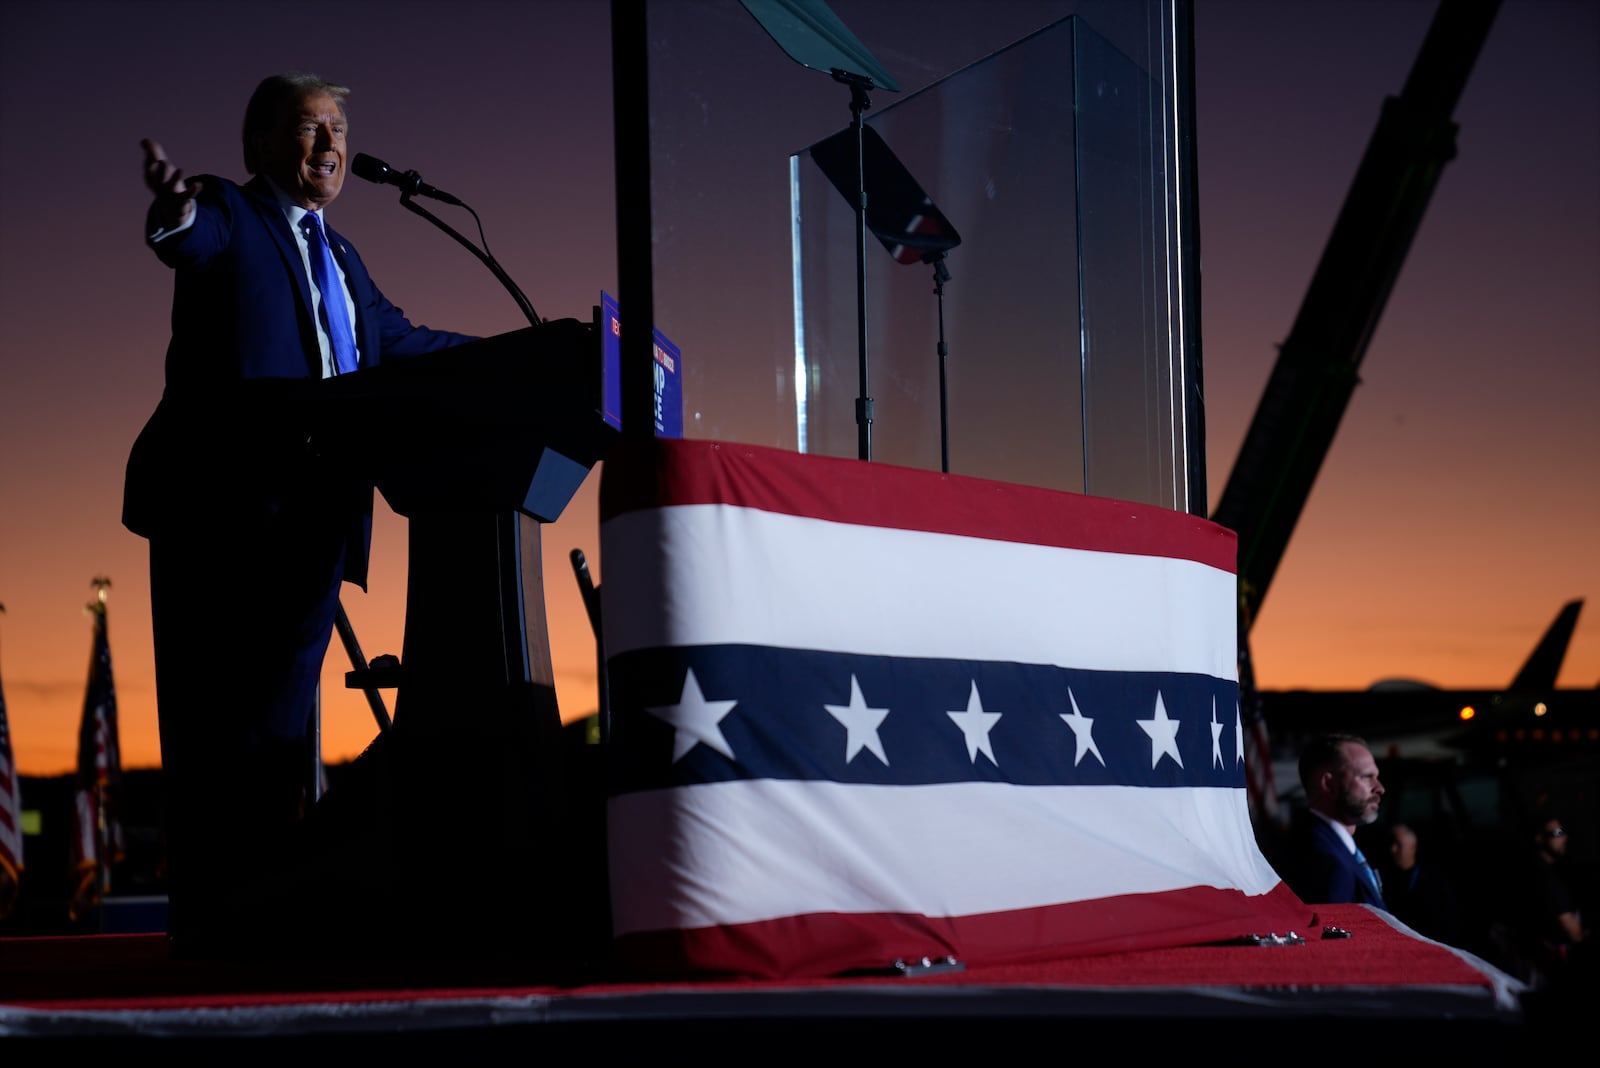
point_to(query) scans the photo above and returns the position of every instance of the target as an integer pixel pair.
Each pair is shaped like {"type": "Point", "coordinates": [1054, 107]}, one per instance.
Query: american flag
{"type": "Point", "coordinates": [10, 816]}
{"type": "Point", "coordinates": [97, 836]}
{"type": "Point", "coordinates": [864, 714]}
{"type": "Point", "coordinates": [1265, 807]}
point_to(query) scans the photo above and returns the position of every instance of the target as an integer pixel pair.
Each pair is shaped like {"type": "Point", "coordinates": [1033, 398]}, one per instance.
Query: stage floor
{"type": "Point", "coordinates": [1383, 983]}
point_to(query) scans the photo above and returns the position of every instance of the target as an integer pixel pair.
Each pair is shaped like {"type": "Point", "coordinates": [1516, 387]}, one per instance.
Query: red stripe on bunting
{"type": "Point", "coordinates": [833, 943]}
{"type": "Point", "coordinates": [666, 472]}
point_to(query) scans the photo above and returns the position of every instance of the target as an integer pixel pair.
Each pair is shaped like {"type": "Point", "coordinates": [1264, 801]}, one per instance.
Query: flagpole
{"type": "Point", "coordinates": [10, 817]}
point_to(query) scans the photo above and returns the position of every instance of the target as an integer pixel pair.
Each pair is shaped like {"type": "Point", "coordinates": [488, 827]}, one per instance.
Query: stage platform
{"type": "Point", "coordinates": [1384, 984]}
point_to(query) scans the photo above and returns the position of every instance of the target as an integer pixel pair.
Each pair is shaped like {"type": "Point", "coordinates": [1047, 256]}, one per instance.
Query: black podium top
{"type": "Point", "coordinates": [507, 423]}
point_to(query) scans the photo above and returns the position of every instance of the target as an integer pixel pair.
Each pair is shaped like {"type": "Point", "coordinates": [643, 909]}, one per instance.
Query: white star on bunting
{"type": "Point", "coordinates": [694, 719]}
{"type": "Point", "coordinates": [1238, 733]}
{"type": "Point", "coordinates": [1082, 732]}
{"type": "Point", "coordinates": [1216, 736]}
{"type": "Point", "coordinates": [1163, 734]}
{"type": "Point", "coordinates": [975, 725]}
{"type": "Point", "coordinates": [860, 723]}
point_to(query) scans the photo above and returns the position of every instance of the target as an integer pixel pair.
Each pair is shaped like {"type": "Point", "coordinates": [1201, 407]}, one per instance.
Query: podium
{"type": "Point", "coordinates": [451, 835]}
{"type": "Point", "coordinates": [476, 446]}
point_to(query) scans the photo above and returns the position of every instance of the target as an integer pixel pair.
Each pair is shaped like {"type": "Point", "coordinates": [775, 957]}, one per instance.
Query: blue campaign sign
{"type": "Point", "coordinates": [668, 373]}
{"type": "Point", "coordinates": [669, 388]}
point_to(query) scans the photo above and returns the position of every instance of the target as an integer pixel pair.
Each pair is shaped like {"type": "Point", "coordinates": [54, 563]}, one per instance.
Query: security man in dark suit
{"type": "Point", "coordinates": [1343, 792]}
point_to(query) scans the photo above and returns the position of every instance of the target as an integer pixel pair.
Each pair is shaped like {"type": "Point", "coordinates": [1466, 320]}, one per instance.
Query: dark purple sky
{"type": "Point", "coordinates": [1458, 508]}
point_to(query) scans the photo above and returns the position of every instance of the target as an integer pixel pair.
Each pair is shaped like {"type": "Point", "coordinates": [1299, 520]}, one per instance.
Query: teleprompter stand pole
{"type": "Point", "coordinates": [813, 36]}
{"type": "Point", "coordinates": [859, 84]}
{"type": "Point", "coordinates": [893, 207]}
{"type": "Point", "coordinates": [941, 275]}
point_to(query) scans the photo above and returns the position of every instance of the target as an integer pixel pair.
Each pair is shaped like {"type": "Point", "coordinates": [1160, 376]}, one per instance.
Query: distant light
{"type": "Point", "coordinates": [1540, 708]}
{"type": "Point", "coordinates": [1467, 713]}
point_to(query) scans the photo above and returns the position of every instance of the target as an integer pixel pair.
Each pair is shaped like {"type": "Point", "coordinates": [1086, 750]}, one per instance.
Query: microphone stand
{"type": "Point", "coordinates": [488, 260]}
{"type": "Point", "coordinates": [591, 604]}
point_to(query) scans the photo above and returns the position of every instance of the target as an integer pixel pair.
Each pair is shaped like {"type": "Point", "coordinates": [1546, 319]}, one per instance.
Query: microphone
{"type": "Point", "coordinates": [409, 182]}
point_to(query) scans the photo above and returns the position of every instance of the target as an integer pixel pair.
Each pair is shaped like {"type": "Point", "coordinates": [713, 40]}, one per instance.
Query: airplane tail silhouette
{"type": "Point", "coordinates": [1542, 667]}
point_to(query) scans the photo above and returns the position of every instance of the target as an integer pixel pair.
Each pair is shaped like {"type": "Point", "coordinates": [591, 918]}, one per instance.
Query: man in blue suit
{"type": "Point", "coordinates": [251, 532]}
{"type": "Point", "coordinates": [1343, 792]}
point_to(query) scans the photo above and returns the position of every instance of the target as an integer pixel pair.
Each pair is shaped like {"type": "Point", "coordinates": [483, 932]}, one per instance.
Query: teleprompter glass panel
{"type": "Point", "coordinates": [1047, 143]}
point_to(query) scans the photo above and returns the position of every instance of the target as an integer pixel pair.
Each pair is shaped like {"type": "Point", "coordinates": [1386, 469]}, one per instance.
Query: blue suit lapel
{"type": "Point", "coordinates": [265, 202]}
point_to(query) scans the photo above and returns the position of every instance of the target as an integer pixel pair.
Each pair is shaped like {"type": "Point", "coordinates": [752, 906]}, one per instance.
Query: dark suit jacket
{"type": "Point", "coordinates": [1322, 870]}
{"type": "Point", "coordinates": [215, 451]}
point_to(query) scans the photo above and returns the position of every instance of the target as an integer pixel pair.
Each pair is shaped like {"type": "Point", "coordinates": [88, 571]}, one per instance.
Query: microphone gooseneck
{"type": "Point", "coordinates": [410, 184]}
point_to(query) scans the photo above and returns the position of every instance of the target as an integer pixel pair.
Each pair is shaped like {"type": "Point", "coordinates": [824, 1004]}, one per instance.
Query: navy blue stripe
{"type": "Point", "coordinates": [779, 728]}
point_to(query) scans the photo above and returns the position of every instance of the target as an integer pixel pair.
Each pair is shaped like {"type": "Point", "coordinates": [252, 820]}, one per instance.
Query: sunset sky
{"type": "Point", "coordinates": [1459, 507]}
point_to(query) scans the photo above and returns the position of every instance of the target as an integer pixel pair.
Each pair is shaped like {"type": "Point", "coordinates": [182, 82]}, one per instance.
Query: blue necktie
{"type": "Point", "coordinates": [1371, 875]}
{"type": "Point", "coordinates": [340, 335]}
